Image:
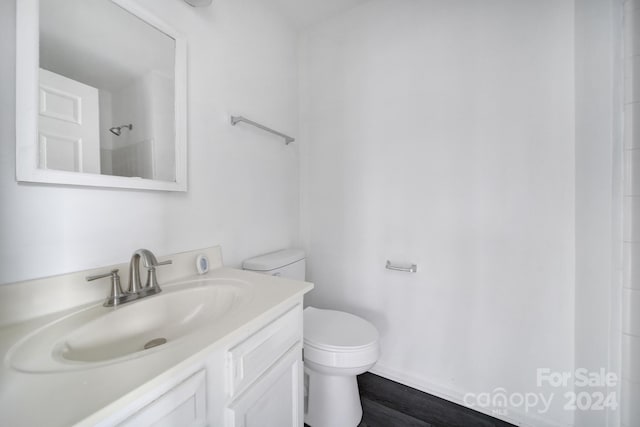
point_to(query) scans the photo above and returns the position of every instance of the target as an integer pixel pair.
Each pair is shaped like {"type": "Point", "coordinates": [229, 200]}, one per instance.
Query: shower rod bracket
{"type": "Point", "coordinates": [407, 268]}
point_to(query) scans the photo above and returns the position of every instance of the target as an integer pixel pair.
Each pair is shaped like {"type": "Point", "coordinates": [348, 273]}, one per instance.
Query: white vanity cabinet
{"type": "Point", "coordinates": [254, 381]}
{"type": "Point", "coordinates": [265, 375]}
{"type": "Point", "coordinates": [233, 355]}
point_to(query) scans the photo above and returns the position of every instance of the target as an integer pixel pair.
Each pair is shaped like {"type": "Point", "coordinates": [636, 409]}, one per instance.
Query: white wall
{"type": "Point", "coordinates": [148, 149]}
{"type": "Point", "coordinates": [630, 324]}
{"type": "Point", "coordinates": [243, 185]}
{"type": "Point", "coordinates": [132, 153]}
{"type": "Point", "coordinates": [442, 133]}
{"type": "Point", "coordinates": [598, 190]}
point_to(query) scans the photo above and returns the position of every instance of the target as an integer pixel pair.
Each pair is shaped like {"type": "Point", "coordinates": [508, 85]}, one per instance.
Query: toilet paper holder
{"type": "Point", "coordinates": [408, 268]}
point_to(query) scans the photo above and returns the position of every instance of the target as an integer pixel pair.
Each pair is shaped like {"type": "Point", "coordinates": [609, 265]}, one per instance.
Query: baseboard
{"type": "Point", "coordinates": [456, 396]}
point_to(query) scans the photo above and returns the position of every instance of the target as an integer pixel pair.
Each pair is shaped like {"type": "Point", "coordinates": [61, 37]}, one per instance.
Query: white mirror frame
{"type": "Point", "coordinates": [27, 105]}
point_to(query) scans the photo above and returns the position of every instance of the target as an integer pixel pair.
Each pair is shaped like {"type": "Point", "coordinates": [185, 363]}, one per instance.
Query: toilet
{"type": "Point", "coordinates": [337, 347]}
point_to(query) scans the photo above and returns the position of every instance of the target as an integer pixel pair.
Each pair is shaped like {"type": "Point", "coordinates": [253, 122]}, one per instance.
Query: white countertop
{"type": "Point", "coordinates": [85, 396]}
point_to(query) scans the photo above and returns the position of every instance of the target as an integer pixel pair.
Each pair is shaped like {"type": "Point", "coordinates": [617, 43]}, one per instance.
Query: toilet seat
{"type": "Point", "coordinates": [338, 339]}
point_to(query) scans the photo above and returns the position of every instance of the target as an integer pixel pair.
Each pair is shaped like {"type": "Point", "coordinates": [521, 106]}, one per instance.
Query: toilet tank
{"type": "Point", "coordinates": [286, 263]}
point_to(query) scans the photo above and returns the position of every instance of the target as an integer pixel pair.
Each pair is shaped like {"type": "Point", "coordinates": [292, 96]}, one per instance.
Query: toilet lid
{"type": "Point", "coordinates": [337, 330]}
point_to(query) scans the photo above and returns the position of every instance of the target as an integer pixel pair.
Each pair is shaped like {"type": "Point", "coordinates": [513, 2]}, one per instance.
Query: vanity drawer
{"type": "Point", "coordinates": [183, 405]}
{"type": "Point", "coordinates": [253, 356]}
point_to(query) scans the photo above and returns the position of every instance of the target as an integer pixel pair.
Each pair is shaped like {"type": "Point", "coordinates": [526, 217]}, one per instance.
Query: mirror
{"type": "Point", "coordinates": [101, 96]}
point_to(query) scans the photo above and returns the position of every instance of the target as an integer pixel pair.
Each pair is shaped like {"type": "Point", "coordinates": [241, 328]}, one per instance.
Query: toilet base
{"type": "Point", "coordinates": [332, 400]}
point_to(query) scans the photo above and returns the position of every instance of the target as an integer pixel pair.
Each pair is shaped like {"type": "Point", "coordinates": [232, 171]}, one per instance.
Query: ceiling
{"type": "Point", "coordinates": [100, 44]}
{"type": "Point", "coordinates": [78, 38]}
{"type": "Point", "coordinates": [304, 13]}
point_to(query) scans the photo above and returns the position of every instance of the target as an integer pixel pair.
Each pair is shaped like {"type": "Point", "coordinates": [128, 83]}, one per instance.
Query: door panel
{"type": "Point", "coordinates": [68, 124]}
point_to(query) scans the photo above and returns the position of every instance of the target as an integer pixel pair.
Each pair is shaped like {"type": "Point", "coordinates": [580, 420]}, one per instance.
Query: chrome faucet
{"type": "Point", "coordinates": [135, 290]}
{"type": "Point", "coordinates": [150, 263]}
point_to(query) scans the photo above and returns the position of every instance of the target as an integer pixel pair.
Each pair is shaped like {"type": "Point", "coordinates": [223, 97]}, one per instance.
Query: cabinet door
{"type": "Point", "coordinates": [183, 405]}
{"type": "Point", "coordinates": [252, 357]}
{"type": "Point", "coordinates": [273, 401]}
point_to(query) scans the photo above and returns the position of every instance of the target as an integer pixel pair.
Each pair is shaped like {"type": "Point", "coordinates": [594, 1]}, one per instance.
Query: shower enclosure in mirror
{"type": "Point", "coordinates": [101, 96]}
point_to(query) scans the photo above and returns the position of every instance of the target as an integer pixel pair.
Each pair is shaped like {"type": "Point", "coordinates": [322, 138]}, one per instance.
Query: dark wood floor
{"type": "Point", "coordinates": [386, 403]}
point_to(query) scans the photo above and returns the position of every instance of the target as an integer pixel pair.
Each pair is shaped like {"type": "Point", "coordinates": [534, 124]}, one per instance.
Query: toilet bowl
{"type": "Point", "coordinates": [337, 347]}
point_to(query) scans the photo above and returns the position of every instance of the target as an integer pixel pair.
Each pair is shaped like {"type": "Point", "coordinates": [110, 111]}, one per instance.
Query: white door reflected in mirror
{"type": "Point", "coordinates": [68, 125]}
{"type": "Point", "coordinates": [107, 83]}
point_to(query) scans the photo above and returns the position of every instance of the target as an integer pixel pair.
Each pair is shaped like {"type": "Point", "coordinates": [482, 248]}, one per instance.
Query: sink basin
{"type": "Point", "coordinates": [96, 335]}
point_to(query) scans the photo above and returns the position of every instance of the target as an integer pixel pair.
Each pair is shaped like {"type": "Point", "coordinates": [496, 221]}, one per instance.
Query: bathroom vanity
{"type": "Point", "coordinates": [232, 356]}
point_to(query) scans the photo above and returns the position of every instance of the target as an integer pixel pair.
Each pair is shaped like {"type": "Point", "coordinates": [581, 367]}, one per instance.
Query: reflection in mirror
{"type": "Point", "coordinates": [106, 92]}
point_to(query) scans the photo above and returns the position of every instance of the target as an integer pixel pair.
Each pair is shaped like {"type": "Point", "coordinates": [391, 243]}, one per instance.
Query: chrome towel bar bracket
{"type": "Point", "coordinates": [412, 268]}
{"type": "Point", "coordinates": [235, 119]}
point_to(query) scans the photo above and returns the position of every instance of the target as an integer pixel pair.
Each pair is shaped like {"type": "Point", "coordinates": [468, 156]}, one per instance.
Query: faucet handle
{"type": "Point", "coordinates": [151, 286]}
{"type": "Point", "coordinates": [117, 295]}
{"type": "Point", "coordinates": [149, 260]}
{"type": "Point", "coordinates": [113, 274]}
